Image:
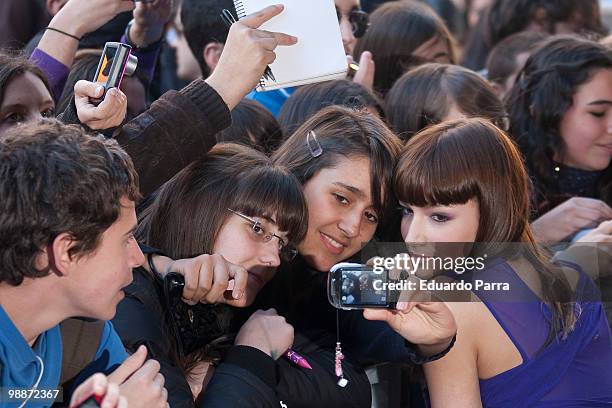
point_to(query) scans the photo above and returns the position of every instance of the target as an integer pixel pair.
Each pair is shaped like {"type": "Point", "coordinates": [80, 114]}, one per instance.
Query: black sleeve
{"type": "Point", "coordinates": [177, 129]}
{"type": "Point", "coordinates": [237, 384]}
{"type": "Point", "coordinates": [300, 387]}
{"type": "Point", "coordinates": [137, 324]}
{"type": "Point", "coordinates": [254, 360]}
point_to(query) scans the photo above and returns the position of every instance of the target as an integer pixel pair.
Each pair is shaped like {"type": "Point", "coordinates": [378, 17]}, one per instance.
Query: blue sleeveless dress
{"type": "Point", "coordinates": [571, 372]}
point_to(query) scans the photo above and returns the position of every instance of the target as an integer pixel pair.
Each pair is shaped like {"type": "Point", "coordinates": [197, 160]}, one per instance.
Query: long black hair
{"type": "Point", "coordinates": [540, 98]}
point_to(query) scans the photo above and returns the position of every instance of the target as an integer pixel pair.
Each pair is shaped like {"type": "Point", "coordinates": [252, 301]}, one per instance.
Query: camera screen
{"type": "Point", "coordinates": [107, 64]}
{"type": "Point", "coordinates": [359, 288]}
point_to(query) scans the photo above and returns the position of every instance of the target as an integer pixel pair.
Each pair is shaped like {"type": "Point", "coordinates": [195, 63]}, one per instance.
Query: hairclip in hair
{"type": "Point", "coordinates": [313, 144]}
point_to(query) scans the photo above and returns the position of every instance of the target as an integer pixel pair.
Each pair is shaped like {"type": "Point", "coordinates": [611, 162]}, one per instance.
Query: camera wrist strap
{"type": "Point", "coordinates": [342, 382]}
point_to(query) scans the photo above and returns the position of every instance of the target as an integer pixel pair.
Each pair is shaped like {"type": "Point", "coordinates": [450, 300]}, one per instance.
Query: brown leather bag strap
{"type": "Point", "coordinates": [80, 341]}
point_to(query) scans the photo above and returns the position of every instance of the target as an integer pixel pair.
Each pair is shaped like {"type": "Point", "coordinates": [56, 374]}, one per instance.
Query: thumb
{"type": "Point", "coordinates": [365, 75]}
{"type": "Point", "coordinates": [129, 366]}
{"type": "Point", "coordinates": [88, 89]}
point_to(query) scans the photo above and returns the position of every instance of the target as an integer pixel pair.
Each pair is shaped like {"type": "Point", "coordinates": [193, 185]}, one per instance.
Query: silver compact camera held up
{"type": "Point", "coordinates": [356, 286]}
{"type": "Point", "coordinates": [116, 62]}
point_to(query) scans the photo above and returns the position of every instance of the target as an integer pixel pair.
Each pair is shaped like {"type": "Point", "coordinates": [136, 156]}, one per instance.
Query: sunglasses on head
{"type": "Point", "coordinates": [359, 21]}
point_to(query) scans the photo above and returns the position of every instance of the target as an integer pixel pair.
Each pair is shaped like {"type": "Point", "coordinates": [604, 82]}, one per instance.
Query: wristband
{"type": "Point", "coordinates": [63, 32]}
{"type": "Point", "coordinates": [147, 48]}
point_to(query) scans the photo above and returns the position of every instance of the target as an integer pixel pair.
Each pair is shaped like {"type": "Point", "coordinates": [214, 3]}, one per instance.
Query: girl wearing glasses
{"type": "Point", "coordinates": [248, 213]}
{"type": "Point", "coordinates": [344, 160]}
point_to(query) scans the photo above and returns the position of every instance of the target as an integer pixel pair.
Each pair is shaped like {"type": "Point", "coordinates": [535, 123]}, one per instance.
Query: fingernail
{"type": "Point", "coordinates": [237, 294]}
{"type": "Point", "coordinates": [99, 90]}
{"type": "Point", "coordinates": [280, 6]}
{"type": "Point", "coordinates": [98, 390]}
{"type": "Point", "coordinates": [401, 305]}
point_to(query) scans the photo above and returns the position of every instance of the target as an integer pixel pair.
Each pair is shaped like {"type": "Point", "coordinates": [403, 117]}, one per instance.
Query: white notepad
{"type": "Point", "coordinates": [319, 54]}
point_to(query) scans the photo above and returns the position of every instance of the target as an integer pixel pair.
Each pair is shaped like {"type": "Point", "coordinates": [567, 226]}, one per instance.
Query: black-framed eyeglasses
{"type": "Point", "coordinates": [286, 252]}
{"type": "Point", "coordinates": [359, 21]}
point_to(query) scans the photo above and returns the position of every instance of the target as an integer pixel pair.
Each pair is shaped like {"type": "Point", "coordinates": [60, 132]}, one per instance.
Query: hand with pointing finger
{"type": "Point", "coordinates": [208, 279]}
{"type": "Point", "coordinates": [246, 54]}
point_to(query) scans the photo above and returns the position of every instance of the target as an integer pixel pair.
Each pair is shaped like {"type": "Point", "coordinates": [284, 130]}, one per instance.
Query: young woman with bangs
{"type": "Point", "coordinates": [344, 160]}
{"type": "Point", "coordinates": [543, 343]}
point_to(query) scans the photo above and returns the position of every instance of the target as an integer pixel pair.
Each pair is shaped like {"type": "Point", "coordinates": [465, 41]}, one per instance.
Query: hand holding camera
{"type": "Point", "coordinates": [210, 279]}
{"type": "Point", "coordinates": [430, 325]}
{"type": "Point", "coordinates": [105, 115]}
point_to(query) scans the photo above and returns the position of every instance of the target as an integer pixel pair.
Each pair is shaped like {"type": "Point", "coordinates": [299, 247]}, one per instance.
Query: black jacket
{"type": "Point", "coordinates": [177, 129]}
{"type": "Point", "coordinates": [247, 377]}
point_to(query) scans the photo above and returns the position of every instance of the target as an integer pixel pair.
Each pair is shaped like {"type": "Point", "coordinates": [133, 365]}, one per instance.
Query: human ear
{"type": "Point", "coordinates": [212, 53]}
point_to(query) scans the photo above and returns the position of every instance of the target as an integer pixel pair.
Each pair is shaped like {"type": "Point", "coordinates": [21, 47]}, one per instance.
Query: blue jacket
{"type": "Point", "coordinates": [272, 100]}
{"type": "Point", "coordinates": [25, 368]}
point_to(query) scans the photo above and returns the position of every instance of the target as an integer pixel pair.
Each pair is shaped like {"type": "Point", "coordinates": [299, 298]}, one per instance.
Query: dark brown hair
{"type": "Point", "coordinates": [456, 161]}
{"type": "Point", "coordinates": [12, 66]}
{"type": "Point", "coordinates": [502, 63]}
{"type": "Point", "coordinates": [253, 126]}
{"type": "Point", "coordinates": [189, 210]}
{"type": "Point", "coordinates": [424, 96]}
{"type": "Point", "coordinates": [340, 133]}
{"type": "Point", "coordinates": [396, 30]}
{"type": "Point", "coordinates": [56, 179]}
{"type": "Point", "coordinates": [538, 101]}
{"type": "Point", "coordinates": [310, 99]}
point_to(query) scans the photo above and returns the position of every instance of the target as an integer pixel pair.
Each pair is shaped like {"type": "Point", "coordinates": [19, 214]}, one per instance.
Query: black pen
{"type": "Point", "coordinates": [229, 19]}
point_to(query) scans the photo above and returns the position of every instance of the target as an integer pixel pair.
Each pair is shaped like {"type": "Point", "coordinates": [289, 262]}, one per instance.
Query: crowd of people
{"type": "Point", "coordinates": [167, 243]}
